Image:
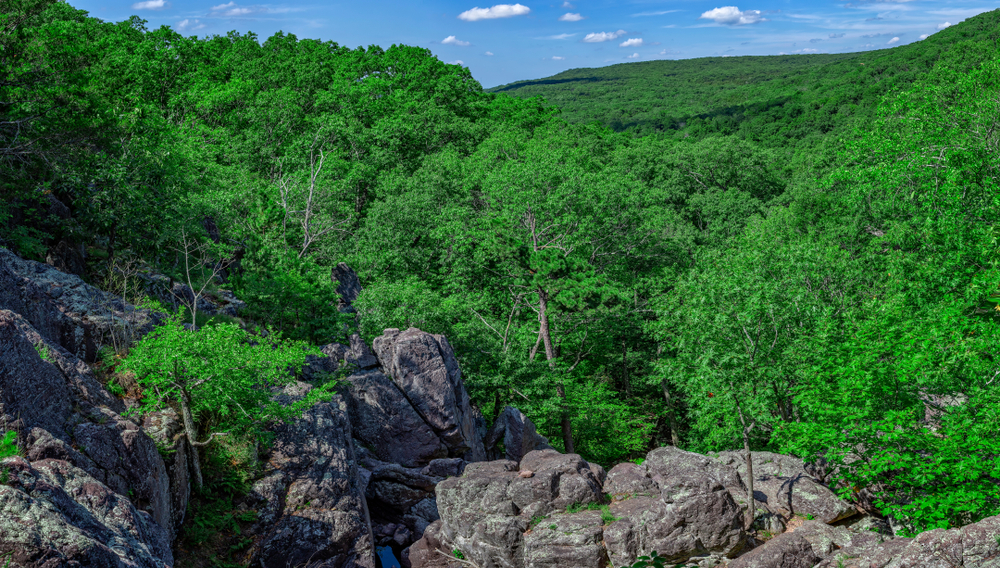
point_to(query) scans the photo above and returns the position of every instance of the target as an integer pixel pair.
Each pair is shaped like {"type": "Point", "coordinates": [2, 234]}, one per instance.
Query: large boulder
{"type": "Point", "coordinates": [54, 514]}
{"type": "Point", "coordinates": [676, 503]}
{"type": "Point", "coordinates": [425, 369]}
{"type": "Point", "coordinates": [973, 546]}
{"type": "Point", "coordinates": [50, 397]}
{"type": "Point", "coordinates": [311, 502]}
{"type": "Point", "coordinates": [802, 548]}
{"type": "Point", "coordinates": [348, 287]}
{"type": "Point", "coordinates": [67, 311]}
{"type": "Point", "coordinates": [785, 486]}
{"type": "Point", "coordinates": [166, 430]}
{"type": "Point", "coordinates": [518, 434]}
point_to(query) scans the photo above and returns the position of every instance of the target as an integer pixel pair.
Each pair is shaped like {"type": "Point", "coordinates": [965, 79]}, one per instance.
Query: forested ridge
{"type": "Point", "coordinates": [798, 256]}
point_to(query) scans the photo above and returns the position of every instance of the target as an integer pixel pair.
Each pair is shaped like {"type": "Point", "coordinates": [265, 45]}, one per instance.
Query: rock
{"type": "Point", "coordinates": [972, 546]}
{"type": "Point", "coordinates": [348, 287]}
{"type": "Point", "coordinates": [67, 258]}
{"type": "Point", "coordinates": [53, 400]}
{"type": "Point", "coordinates": [65, 310]}
{"type": "Point", "coordinates": [387, 423]}
{"type": "Point", "coordinates": [627, 480]}
{"type": "Point", "coordinates": [424, 368]}
{"type": "Point", "coordinates": [175, 293]}
{"type": "Point", "coordinates": [786, 486]}
{"type": "Point", "coordinates": [430, 551]}
{"type": "Point", "coordinates": [801, 548]}
{"type": "Point", "coordinates": [566, 540]}
{"type": "Point", "coordinates": [357, 355]}
{"type": "Point", "coordinates": [518, 434]}
{"type": "Point", "coordinates": [446, 467]}
{"type": "Point", "coordinates": [165, 429]}
{"type": "Point", "coordinates": [54, 514]}
{"type": "Point", "coordinates": [311, 503]}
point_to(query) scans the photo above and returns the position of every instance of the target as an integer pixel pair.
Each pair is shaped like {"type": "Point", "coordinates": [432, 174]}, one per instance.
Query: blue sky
{"type": "Point", "coordinates": [502, 43]}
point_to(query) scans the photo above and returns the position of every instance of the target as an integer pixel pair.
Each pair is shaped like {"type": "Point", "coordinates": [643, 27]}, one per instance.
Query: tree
{"type": "Point", "coordinates": [219, 377]}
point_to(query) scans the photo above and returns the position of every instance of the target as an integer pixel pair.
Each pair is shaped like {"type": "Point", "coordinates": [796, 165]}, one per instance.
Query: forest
{"type": "Point", "coordinates": [790, 253]}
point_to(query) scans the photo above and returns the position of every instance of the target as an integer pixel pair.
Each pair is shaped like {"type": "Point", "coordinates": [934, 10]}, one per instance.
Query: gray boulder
{"type": "Point", "coordinates": [518, 434]}
{"type": "Point", "coordinates": [802, 548]}
{"type": "Point", "coordinates": [348, 287]}
{"type": "Point", "coordinates": [167, 432]}
{"type": "Point", "coordinates": [386, 422]}
{"type": "Point", "coordinates": [54, 514]}
{"type": "Point", "coordinates": [566, 540]}
{"type": "Point", "coordinates": [972, 546]}
{"type": "Point", "coordinates": [65, 310]}
{"type": "Point", "coordinates": [425, 369]}
{"type": "Point", "coordinates": [61, 412]}
{"type": "Point", "coordinates": [679, 508]}
{"type": "Point", "coordinates": [311, 504]}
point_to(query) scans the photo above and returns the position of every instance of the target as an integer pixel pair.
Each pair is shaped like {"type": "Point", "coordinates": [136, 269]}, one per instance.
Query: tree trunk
{"type": "Point", "coordinates": [671, 415]}
{"type": "Point", "coordinates": [192, 437]}
{"type": "Point", "coordinates": [751, 504]}
{"type": "Point", "coordinates": [550, 355]}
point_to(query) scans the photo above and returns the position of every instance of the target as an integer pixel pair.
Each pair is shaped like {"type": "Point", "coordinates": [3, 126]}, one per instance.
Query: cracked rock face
{"type": "Point", "coordinates": [61, 412]}
{"type": "Point", "coordinates": [311, 503]}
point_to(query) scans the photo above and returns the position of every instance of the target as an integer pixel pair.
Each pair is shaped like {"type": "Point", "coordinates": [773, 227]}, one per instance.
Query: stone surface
{"type": "Point", "coordinates": [348, 287]}
{"type": "Point", "coordinates": [54, 514]}
{"type": "Point", "coordinates": [518, 434]}
{"type": "Point", "coordinates": [311, 503]}
{"type": "Point", "coordinates": [357, 355]}
{"type": "Point", "coordinates": [972, 546]}
{"type": "Point", "coordinates": [425, 369]}
{"type": "Point", "coordinates": [65, 310]}
{"type": "Point", "coordinates": [60, 410]}
{"type": "Point", "coordinates": [165, 429]}
{"type": "Point", "coordinates": [387, 423]}
{"type": "Point", "coordinates": [566, 540]}
{"type": "Point", "coordinates": [802, 548]}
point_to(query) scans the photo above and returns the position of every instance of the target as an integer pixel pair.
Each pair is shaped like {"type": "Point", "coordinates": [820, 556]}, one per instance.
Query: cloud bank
{"type": "Point", "coordinates": [732, 16]}
{"type": "Point", "coordinates": [603, 36]}
{"type": "Point", "coordinates": [570, 17]}
{"type": "Point", "coordinates": [631, 42]}
{"type": "Point", "coordinates": [151, 5]}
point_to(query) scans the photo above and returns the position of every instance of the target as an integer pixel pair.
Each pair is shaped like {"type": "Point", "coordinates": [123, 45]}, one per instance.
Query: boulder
{"type": "Point", "coordinates": [785, 486]}
{"type": "Point", "coordinates": [972, 546]}
{"type": "Point", "coordinates": [55, 514]}
{"type": "Point", "coordinates": [348, 287]}
{"type": "Point", "coordinates": [682, 511]}
{"type": "Point", "coordinates": [386, 422]}
{"type": "Point", "coordinates": [566, 540]}
{"type": "Point", "coordinates": [518, 434]}
{"type": "Point", "coordinates": [802, 548]}
{"type": "Point", "coordinates": [357, 356]}
{"type": "Point", "coordinates": [167, 432]}
{"type": "Point", "coordinates": [311, 502]}
{"type": "Point", "coordinates": [65, 310]}
{"type": "Point", "coordinates": [60, 410]}
{"type": "Point", "coordinates": [425, 369]}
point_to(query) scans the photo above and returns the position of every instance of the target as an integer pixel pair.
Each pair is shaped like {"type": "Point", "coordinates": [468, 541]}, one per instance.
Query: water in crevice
{"type": "Point", "coordinates": [386, 557]}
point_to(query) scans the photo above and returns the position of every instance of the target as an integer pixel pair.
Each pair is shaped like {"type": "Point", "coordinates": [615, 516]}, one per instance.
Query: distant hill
{"type": "Point", "coordinates": [776, 100]}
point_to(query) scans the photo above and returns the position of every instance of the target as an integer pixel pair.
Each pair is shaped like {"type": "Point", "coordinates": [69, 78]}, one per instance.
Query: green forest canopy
{"type": "Point", "coordinates": [814, 249]}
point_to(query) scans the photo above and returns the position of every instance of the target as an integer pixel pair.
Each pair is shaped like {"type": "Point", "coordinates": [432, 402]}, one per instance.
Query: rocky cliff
{"type": "Point", "coordinates": [399, 458]}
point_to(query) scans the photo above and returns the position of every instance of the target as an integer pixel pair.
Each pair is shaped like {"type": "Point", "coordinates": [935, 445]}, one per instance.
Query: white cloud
{"type": "Point", "coordinates": [659, 13]}
{"type": "Point", "coordinates": [603, 36]}
{"type": "Point", "coordinates": [924, 36]}
{"type": "Point", "coordinates": [631, 42]}
{"type": "Point", "coordinates": [498, 11]}
{"type": "Point", "coordinates": [633, 56]}
{"type": "Point", "coordinates": [557, 58]}
{"type": "Point", "coordinates": [557, 36]}
{"type": "Point", "coordinates": [187, 25]}
{"type": "Point", "coordinates": [835, 36]}
{"type": "Point", "coordinates": [732, 16]}
{"type": "Point", "coordinates": [452, 40]}
{"type": "Point", "coordinates": [940, 26]}
{"type": "Point", "coordinates": [570, 17]}
{"type": "Point", "coordinates": [231, 9]}
{"type": "Point", "coordinates": [489, 53]}
{"type": "Point", "coordinates": [892, 41]}
{"type": "Point", "coordinates": [568, 6]}
{"type": "Point", "coordinates": [151, 5]}
{"type": "Point", "coordinates": [456, 62]}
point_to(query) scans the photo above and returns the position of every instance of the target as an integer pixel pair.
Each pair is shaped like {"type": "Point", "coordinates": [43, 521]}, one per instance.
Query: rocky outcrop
{"type": "Point", "coordinates": [424, 368]}
{"type": "Point", "coordinates": [973, 546]}
{"type": "Point", "coordinates": [311, 501]}
{"type": "Point", "coordinates": [518, 434]}
{"type": "Point", "coordinates": [785, 487]}
{"type": "Point", "coordinates": [348, 287]}
{"type": "Point", "coordinates": [166, 430]}
{"type": "Point", "coordinates": [55, 514]}
{"type": "Point", "coordinates": [65, 310]}
{"type": "Point", "coordinates": [62, 413]}
{"type": "Point", "coordinates": [175, 294]}
{"type": "Point", "coordinates": [801, 548]}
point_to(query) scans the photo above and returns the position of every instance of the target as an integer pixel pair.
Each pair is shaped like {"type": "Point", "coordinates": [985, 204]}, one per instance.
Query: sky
{"type": "Point", "coordinates": [503, 43]}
